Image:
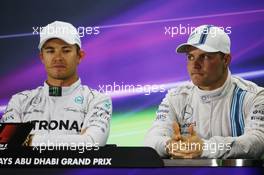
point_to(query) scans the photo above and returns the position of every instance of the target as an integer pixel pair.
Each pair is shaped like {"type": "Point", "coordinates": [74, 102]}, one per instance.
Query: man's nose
{"type": "Point", "coordinates": [58, 55]}
{"type": "Point", "coordinates": [197, 63]}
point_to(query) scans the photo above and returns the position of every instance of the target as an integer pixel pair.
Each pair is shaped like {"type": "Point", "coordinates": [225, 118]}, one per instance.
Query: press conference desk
{"type": "Point", "coordinates": [213, 162]}
{"type": "Point", "coordinates": [108, 156]}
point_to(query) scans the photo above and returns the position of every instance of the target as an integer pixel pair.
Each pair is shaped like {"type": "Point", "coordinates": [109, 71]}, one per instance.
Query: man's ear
{"type": "Point", "coordinates": [41, 57]}
{"type": "Point", "coordinates": [227, 60]}
{"type": "Point", "coordinates": [81, 56]}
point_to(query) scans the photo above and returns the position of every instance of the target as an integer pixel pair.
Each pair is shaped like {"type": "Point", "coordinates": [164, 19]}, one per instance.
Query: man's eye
{"type": "Point", "coordinates": [205, 57]}
{"type": "Point", "coordinates": [190, 57]}
{"type": "Point", "coordinates": [50, 51]}
{"type": "Point", "coordinates": [67, 51]}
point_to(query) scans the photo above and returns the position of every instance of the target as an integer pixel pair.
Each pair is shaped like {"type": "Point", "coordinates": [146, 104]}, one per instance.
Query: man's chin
{"type": "Point", "coordinates": [59, 77]}
{"type": "Point", "coordinates": [198, 83]}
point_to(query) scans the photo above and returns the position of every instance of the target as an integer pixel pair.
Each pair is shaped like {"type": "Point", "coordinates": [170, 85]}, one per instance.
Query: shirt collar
{"type": "Point", "coordinates": [66, 90]}
{"type": "Point", "coordinates": [208, 96]}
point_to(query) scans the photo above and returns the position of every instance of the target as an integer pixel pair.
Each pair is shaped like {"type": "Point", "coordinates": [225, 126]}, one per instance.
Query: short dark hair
{"type": "Point", "coordinates": [221, 54]}
{"type": "Point", "coordinates": [77, 48]}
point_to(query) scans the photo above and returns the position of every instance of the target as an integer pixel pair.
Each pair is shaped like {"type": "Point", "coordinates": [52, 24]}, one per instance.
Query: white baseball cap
{"type": "Point", "coordinates": [208, 38]}
{"type": "Point", "coordinates": [61, 30]}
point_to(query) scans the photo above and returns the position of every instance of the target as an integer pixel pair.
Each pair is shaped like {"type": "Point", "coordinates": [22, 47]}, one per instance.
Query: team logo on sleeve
{"type": "Point", "coordinates": [35, 101]}
{"type": "Point", "coordinates": [107, 104]}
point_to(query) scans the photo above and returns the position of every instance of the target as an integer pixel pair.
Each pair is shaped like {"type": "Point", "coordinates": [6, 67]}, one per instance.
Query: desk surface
{"type": "Point", "coordinates": [213, 162]}
{"type": "Point", "coordinates": [108, 156]}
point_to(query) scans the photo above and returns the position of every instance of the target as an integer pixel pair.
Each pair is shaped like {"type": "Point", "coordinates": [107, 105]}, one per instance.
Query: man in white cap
{"type": "Point", "coordinates": [216, 115]}
{"type": "Point", "coordinates": [63, 110]}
